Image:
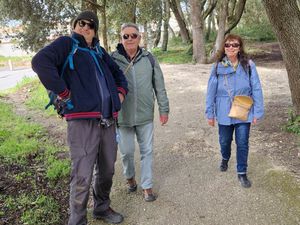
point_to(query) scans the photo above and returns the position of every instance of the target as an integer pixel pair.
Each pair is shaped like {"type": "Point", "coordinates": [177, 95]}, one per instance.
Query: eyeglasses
{"type": "Point", "coordinates": [234, 45]}
{"type": "Point", "coordinates": [82, 23]}
{"type": "Point", "coordinates": [133, 36]}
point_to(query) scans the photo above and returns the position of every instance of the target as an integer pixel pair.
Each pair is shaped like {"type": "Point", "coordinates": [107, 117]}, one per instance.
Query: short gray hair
{"type": "Point", "coordinates": [125, 25]}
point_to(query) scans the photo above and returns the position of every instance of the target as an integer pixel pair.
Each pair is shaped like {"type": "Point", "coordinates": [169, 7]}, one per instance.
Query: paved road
{"type": "Point", "coordinates": [9, 79]}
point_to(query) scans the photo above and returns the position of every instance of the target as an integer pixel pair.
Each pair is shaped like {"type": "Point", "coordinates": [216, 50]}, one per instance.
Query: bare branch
{"type": "Point", "coordinates": [98, 6]}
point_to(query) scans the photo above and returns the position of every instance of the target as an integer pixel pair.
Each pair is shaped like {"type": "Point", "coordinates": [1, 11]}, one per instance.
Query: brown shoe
{"type": "Point", "coordinates": [149, 195]}
{"type": "Point", "coordinates": [132, 186]}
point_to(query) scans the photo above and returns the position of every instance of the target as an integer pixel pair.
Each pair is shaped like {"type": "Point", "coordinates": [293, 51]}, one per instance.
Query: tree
{"type": "Point", "coordinates": [158, 29]}
{"type": "Point", "coordinates": [285, 19]}
{"type": "Point", "coordinates": [39, 19]}
{"type": "Point", "coordinates": [199, 11]}
{"type": "Point", "coordinates": [184, 32]}
{"type": "Point", "coordinates": [166, 18]}
{"type": "Point", "coordinates": [229, 14]}
{"type": "Point", "coordinates": [199, 53]}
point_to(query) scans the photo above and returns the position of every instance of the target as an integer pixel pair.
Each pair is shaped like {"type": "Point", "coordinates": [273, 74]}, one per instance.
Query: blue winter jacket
{"type": "Point", "coordinates": [82, 83]}
{"type": "Point", "coordinates": [218, 101]}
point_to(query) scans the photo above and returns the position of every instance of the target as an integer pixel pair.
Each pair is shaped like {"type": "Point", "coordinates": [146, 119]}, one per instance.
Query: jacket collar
{"type": "Point", "coordinates": [121, 50]}
{"type": "Point", "coordinates": [82, 41]}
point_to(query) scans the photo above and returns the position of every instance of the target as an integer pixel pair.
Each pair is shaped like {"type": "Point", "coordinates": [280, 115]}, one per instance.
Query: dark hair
{"type": "Point", "coordinates": [242, 55]}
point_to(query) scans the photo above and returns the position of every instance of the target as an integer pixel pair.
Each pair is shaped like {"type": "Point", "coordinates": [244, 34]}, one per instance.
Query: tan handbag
{"type": "Point", "coordinates": [240, 105]}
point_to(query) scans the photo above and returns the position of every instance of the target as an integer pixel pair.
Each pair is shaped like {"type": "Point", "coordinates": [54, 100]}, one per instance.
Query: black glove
{"type": "Point", "coordinates": [61, 104]}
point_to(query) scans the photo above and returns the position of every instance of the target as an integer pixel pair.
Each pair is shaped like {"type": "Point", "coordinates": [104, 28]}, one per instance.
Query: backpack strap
{"type": "Point", "coordinates": [151, 59]}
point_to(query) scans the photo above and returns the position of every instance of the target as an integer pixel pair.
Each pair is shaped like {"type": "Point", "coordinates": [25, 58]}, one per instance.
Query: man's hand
{"type": "Point", "coordinates": [163, 119]}
{"type": "Point", "coordinates": [121, 97]}
{"type": "Point", "coordinates": [60, 104]}
{"type": "Point", "coordinates": [211, 122]}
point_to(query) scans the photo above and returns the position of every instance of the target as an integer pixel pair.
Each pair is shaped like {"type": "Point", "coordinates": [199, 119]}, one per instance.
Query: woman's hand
{"type": "Point", "coordinates": [254, 121]}
{"type": "Point", "coordinates": [211, 122]}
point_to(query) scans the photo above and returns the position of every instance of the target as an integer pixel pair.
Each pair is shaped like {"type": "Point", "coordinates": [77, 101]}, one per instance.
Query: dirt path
{"type": "Point", "coordinates": [191, 189]}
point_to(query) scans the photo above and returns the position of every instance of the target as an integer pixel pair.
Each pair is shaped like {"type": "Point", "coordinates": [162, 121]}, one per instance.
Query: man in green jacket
{"type": "Point", "coordinates": [145, 81]}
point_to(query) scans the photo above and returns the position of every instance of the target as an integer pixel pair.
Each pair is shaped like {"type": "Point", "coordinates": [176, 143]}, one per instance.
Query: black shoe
{"type": "Point", "coordinates": [132, 186]}
{"type": "Point", "coordinates": [149, 196]}
{"type": "Point", "coordinates": [109, 216]}
{"type": "Point", "coordinates": [244, 180]}
{"type": "Point", "coordinates": [224, 165]}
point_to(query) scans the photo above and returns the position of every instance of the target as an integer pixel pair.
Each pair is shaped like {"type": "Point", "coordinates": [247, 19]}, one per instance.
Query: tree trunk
{"type": "Point", "coordinates": [145, 36]}
{"type": "Point", "coordinates": [104, 25]}
{"type": "Point", "coordinates": [285, 19]}
{"type": "Point", "coordinates": [158, 29]}
{"type": "Point", "coordinates": [172, 31]}
{"type": "Point", "coordinates": [184, 33]}
{"type": "Point", "coordinates": [235, 14]}
{"type": "Point", "coordinates": [166, 18]}
{"type": "Point", "coordinates": [209, 25]}
{"type": "Point", "coordinates": [199, 54]}
{"type": "Point", "coordinates": [222, 16]}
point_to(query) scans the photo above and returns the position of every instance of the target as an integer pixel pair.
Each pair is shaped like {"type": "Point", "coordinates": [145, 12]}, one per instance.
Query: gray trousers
{"type": "Point", "coordinates": [90, 144]}
{"type": "Point", "coordinates": [144, 135]}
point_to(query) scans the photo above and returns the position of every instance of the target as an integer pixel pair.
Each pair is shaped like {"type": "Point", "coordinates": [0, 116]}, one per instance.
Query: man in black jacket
{"type": "Point", "coordinates": [95, 87]}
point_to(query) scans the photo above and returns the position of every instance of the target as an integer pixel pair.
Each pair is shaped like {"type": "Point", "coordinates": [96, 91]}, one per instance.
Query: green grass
{"type": "Point", "coordinates": [176, 56]}
{"type": "Point", "coordinates": [36, 210]}
{"type": "Point", "coordinates": [26, 146]}
{"type": "Point", "coordinates": [15, 60]}
{"type": "Point", "coordinates": [285, 187]}
{"type": "Point", "coordinates": [38, 98]}
{"type": "Point", "coordinates": [20, 140]}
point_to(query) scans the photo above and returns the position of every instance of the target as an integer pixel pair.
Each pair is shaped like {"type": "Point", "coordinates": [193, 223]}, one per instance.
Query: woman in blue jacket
{"type": "Point", "coordinates": [233, 74]}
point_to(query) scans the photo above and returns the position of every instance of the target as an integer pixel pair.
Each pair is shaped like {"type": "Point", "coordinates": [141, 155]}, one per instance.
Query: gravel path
{"type": "Point", "coordinates": [190, 188]}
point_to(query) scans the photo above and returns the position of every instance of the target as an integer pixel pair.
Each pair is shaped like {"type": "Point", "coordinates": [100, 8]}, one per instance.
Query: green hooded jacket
{"type": "Point", "coordinates": [144, 84]}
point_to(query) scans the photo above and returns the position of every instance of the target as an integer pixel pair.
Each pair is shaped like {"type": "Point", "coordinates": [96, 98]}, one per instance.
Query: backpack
{"type": "Point", "coordinates": [59, 104]}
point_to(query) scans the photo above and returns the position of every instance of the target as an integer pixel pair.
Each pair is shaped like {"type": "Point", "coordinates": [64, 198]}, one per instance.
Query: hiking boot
{"type": "Point", "coordinates": [149, 195]}
{"type": "Point", "coordinates": [132, 186]}
{"type": "Point", "coordinates": [244, 180]}
{"type": "Point", "coordinates": [224, 165]}
{"type": "Point", "coordinates": [109, 216]}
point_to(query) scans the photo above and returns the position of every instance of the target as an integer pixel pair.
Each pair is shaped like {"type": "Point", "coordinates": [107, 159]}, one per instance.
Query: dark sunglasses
{"type": "Point", "coordinates": [133, 36]}
{"type": "Point", "coordinates": [82, 23]}
{"type": "Point", "coordinates": [234, 45]}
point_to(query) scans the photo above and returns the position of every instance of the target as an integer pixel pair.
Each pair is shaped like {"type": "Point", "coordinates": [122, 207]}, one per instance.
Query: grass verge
{"type": "Point", "coordinates": [29, 169]}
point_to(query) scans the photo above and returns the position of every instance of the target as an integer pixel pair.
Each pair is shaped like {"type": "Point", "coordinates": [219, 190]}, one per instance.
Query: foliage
{"type": "Point", "coordinates": [293, 124]}
{"type": "Point", "coordinates": [254, 23]}
{"type": "Point", "coordinates": [39, 19]}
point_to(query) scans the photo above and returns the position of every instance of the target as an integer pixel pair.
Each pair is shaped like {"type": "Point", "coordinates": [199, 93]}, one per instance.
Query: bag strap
{"type": "Point", "coordinates": [226, 81]}
{"type": "Point", "coordinates": [227, 89]}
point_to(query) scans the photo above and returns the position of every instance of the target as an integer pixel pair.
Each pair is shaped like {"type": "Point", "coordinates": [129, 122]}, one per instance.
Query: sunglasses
{"type": "Point", "coordinates": [82, 23]}
{"type": "Point", "coordinates": [133, 36]}
{"type": "Point", "coordinates": [234, 45]}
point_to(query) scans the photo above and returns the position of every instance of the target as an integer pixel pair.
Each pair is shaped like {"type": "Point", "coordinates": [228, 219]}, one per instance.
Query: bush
{"type": "Point", "coordinates": [256, 32]}
{"type": "Point", "coordinates": [293, 124]}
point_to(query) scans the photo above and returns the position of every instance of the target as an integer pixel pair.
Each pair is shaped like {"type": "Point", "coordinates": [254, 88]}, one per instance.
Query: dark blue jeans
{"type": "Point", "coordinates": [242, 131]}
